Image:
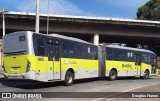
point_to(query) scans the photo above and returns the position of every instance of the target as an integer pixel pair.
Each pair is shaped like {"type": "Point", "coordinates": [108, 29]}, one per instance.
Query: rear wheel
{"type": "Point", "coordinates": [112, 75]}
{"type": "Point", "coordinates": [69, 78]}
{"type": "Point", "coordinates": [146, 75]}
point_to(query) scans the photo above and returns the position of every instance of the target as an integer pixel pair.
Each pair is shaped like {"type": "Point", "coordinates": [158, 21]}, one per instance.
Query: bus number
{"type": "Point", "coordinates": [40, 59]}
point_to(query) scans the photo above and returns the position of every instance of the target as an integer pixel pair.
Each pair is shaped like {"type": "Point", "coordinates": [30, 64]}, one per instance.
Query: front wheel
{"type": "Point", "coordinates": [112, 75]}
{"type": "Point", "coordinates": [146, 75]}
{"type": "Point", "coordinates": [69, 78]}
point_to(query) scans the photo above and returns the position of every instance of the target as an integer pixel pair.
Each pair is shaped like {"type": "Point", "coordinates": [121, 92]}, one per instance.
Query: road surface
{"type": "Point", "coordinates": [87, 85]}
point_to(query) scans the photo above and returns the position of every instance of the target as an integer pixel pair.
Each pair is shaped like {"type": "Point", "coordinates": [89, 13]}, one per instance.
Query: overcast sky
{"type": "Point", "coordinates": [112, 8]}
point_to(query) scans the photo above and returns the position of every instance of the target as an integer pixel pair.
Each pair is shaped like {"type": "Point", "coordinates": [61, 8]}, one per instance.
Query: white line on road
{"type": "Point", "coordinates": [121, 92]}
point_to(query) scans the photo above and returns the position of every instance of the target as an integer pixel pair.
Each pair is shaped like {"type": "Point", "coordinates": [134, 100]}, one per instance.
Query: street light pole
{"type": "Point", "coordinates": [48, 17]}
{"type": "Point", "coordinates": [37, 16]}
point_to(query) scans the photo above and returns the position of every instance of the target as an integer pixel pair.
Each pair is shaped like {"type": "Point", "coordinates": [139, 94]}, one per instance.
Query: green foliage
{"type": "Point", "coordinates": [149, 11]}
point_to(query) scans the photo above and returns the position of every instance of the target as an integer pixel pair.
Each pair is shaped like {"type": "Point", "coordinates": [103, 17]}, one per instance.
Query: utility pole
{"type": "Point", "coordinates": [3, 21]}
{"type": "Point", "coordinates": [37, 16]}
{"type": "Point", "coordinates": [3, 25]}
{"type": "Point", "coordinates": [48, 16]}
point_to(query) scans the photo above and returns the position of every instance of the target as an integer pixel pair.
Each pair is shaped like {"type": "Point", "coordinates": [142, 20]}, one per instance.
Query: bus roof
{"type": "Point", "coordinates": [52, 35]}
{"type": "Point", "coordinates": [68, 38]}
{"type": "Point", "coordinates": [129, 48]}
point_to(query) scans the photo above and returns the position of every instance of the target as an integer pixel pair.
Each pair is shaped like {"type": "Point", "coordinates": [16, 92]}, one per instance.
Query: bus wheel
{"type": "Point", "coordinates": [69, 78]}
{"type": "Point", "coordinates": [112, 75]}
{"type": "Point", "coordinates": [146, 75]}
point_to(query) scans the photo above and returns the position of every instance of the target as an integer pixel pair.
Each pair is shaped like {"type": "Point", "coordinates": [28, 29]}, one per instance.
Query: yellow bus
{"type": "Point", "coordinates": [50, 58]}
{"type": "Point", "coordinates": [120, 61]}
{"type": "Point", "coordinates": [28, 55]}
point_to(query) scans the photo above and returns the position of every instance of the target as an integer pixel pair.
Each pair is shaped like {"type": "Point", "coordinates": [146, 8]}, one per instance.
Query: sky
{"type": "Point", "coordinates": [101, 8]}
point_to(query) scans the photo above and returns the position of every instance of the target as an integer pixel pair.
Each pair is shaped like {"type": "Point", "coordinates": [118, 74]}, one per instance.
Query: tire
{"type": "Point", "coordinates": [146, 75]}
{"type": "Point", "coordinates": [69, 78]}
{"type": "Point", "coordinates": [112, 75]}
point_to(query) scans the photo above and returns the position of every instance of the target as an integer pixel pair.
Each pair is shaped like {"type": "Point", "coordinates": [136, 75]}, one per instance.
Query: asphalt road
{"type": "Point", "coordinates": [82, 86]}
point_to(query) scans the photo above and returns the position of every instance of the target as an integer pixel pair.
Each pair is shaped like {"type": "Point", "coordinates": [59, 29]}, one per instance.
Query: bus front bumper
{"type": "Point", "coordinates": [31, 75]}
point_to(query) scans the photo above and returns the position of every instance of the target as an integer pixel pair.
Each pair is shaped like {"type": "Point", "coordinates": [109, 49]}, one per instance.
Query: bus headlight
{"type": "Point", "coordinates": [28, 66]}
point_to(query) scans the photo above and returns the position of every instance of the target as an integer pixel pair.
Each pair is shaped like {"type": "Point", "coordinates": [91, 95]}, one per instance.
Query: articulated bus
{"type": "Point", "coordinates": [50, 58]}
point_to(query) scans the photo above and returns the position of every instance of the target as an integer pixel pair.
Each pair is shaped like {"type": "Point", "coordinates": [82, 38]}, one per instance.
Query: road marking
{"type": "Point", "coordinates": [121, 92]}
{"type": "Point", "coordinates": [138, 87]}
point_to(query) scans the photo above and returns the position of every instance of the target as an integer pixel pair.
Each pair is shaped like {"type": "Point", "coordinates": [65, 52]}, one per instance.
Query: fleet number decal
{"type": "Point", "coordinates": [40, 59]}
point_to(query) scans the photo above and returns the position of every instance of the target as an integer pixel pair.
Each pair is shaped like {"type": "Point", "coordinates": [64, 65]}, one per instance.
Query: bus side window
{"type": "Point", "coordinates": [144, 58]}
{"type": "Point", "coordinates": [128, 56]}
{"type": "Point", "coordinates": [149, 59]}
{"type": "Point", "coordinates": [40, 47]}
{"type": "Point", "coordinates": [79, 51]}
{"type": "Point", "coordinates": [117, 55]}
{"type": "Point", "coordinates": [92, 53]}
{"type": "Point", "coordinates": [108, 54]}
{"type": "Point", "coordinates": [68, 50]}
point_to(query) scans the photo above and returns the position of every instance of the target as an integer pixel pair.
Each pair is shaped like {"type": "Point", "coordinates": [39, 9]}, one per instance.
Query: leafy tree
{"type": "Point", "coordinates": [149, 11]}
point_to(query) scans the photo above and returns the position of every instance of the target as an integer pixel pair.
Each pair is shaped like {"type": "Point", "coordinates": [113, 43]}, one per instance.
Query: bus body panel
{"type": "Point", "coordinates": [15, 64]}
{"type": "Point", "coordinates": [20, 61]}
{"type": "Point", "coordinates": [83, 68]}
{"type": "Point", "coordinates": [126, 68]}
{"type": "Point", "coordinates": [123, 68]}
{"type": "Point", "coordinates": [144, 67]}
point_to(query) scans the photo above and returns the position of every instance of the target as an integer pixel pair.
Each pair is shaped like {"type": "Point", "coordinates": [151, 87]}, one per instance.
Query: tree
{"type": "Point", "coordinates": [149, 11]}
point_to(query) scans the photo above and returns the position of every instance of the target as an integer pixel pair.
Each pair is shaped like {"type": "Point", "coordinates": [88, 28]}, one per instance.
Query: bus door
{"type": "Point", "coordinates": [137, 64]}
{"type": "Point", "coordinates": [54, 55]}
{"type": "Point", "coordinates": [154, 65]}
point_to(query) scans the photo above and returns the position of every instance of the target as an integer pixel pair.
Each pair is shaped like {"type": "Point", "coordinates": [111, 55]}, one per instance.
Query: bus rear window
{"type": "Point", "coordinates": [15, 43]}
{"type": "Point", "coordinates": [22, 38]}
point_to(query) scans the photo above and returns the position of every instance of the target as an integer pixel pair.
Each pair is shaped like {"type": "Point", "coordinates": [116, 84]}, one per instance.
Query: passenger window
{"type": "Point", "coordinates": [118, 55]}
{"type": "Point", "coordinates": [149, 59]}
{"type": "Point", "coordinates": [108, 54]}
{"type": "Point", "coordinates": [40, 47]}
{"type": "Point", "coordinates": [68, 50]}
{"type": "Point", "coordinates": [128, 56]}
{"type": "Point", "coordinates": [93, 53]}
{"type": "Point", "coordinates": [144, 58]}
